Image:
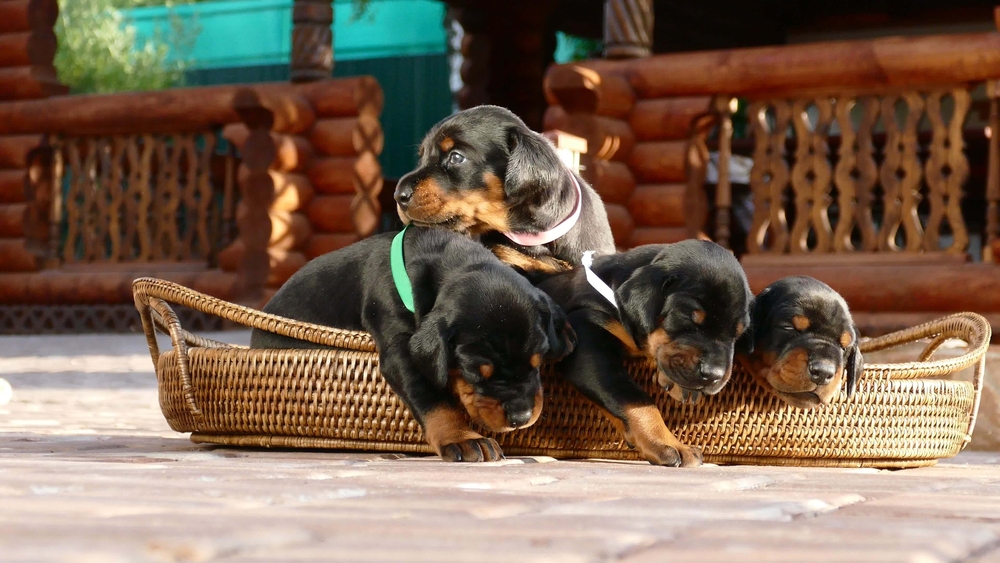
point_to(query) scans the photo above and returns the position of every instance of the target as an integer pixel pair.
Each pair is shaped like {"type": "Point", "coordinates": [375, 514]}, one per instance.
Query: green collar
{"type": "Point", "coordinates": [398, 267]}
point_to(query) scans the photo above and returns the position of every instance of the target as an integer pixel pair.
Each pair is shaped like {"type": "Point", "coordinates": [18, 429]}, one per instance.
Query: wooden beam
{"type": "Point", "coordinates": [312, 40]}
{"type": "Point", "coordinates": [26, 15]}
{"type": "Point", "coordinates": [884, 62]}
{"type": "Point", "coordinates": [55, 287]}
{"type": "Point", "coordinates": [348, 136]}
{"type": "Point", "coordinates": [628, 28]}
{"type": "Point", "coordinates": [29, 82]}
{"type": "Point", "coordinates": [28, 48]}
{"type": "Point", "coordinates": [581, 89]}
{"type": "Point", "coordinates": [659, 162]}
{"type": "Point", "coordinates": [658, 205]}
{"type": "Point", "coordinates": [664, 119]}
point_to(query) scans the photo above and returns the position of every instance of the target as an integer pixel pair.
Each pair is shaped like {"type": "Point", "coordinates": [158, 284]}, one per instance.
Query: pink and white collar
{"type": "Point", "coordinates": [545, 237]}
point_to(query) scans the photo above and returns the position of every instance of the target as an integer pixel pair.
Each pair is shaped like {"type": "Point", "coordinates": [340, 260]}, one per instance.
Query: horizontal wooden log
{"type": "Point", "coordinates": [613, 181]}
{"type": "Point", "coordinates": [658, 162]}
{"type": "Point", "coordinates": [283, 265]}
{"type": "Point", "coordinates": [607, 138]}
{"type": "Point", "coordinates": [289, 231]}
{"type": "Point", "coordinates": [29, 82]}
{"type": "Point", "coordinates": [658, 205]}
{"type": "Point", "coordinates": [322, 243]}
{"type": "Point", "coordinates": [345, 97]}
{"type": "Point", "coordinates": [348, 136]}
{"type": "Point", "coordinates": [12, 186]}
{"type": "Point", "coordinates": [28, 48]}
{"type": "Point", "coordinates": [55, 287]}
{"type": "Point", "coordinates": [663, 119]}
{"type": "Point", "coordinates": [346, 175]}
{"type": "Point", "coordinates": [291, 192]}
{"type": "Point", "coordinates": [657, 235]}
{"type": "Point", "coordinates": [621, 223]}
{"type": "Point", "coordinates": [14, 149]}
{"type": "Point", "coordinates": [884, 62]}
{"type": "Point", "coordinates": [898, 288]}
{"type": "Point", "coordinates": [331, 214]}
{"type": "Point", "coordinates": [580, 89]}
{"type": "Point", "coordinates": [280, 111]}
{"type": "Point", "coordinates": [12, 220]}
{"type": "Point", "coordinates": [25, 15]}
{"type": "Point", "coordinates": [292, 153]}
{"type": "Point", "coordinates": [15, 256]}
{"type": "Point", "coordinates": [173, 110]}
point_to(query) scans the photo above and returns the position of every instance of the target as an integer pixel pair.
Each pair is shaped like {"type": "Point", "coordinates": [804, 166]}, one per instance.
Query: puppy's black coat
{"type": "Point", "coordinates": [682, 306]}
{"type": "Point", "coordinates": [477, 338]}
{"type": "Point", "coordinates": [801, 342]}
{"type": "Point", "coordinates": [483, 172]}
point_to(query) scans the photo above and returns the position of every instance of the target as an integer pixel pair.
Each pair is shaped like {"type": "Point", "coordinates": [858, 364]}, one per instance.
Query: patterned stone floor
{"type": "Point", "coordinates": [89, 471]}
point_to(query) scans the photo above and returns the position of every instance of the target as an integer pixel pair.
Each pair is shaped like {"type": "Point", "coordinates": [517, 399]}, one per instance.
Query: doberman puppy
{"type": "Point", "coordinates": [483, 172]}
{"type": "Point", "coordinates": [682, 306]}
{"type": "Point", "coordinates": [476, 337]}
{"type": "Point", "coordinates": [801, 342]}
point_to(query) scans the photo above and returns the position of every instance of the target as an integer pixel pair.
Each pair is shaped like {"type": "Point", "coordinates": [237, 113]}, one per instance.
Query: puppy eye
{"type": "Point", "coordinates": [456, 158]}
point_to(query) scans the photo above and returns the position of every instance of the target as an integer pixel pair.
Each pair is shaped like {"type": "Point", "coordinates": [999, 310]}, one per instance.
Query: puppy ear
{"type": "Point", "coordinates": [430, 348]}
{"type": "Point", "coordinates": [855, 364]}
{"type": "Point", "coordinates": [557, 329]}
{"type": "Point", "coordinates": [641, 299]}
{"type": "Point", "coordinates": [533, 164]}
{"type": "Point", "coordinates": [745, 343]}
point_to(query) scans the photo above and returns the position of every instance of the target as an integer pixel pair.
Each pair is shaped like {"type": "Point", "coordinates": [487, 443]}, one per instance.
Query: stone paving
{"type": "Point", "coordinates": [89, 471]}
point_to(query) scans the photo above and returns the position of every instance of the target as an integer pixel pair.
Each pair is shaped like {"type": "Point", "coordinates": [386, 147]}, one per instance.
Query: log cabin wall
{"type": "Point", "coordinates": [127, 185]}
{"type": "Point", "coordinates": [637, 144]}
{"type": "Point", "coordinates": [813, 199]}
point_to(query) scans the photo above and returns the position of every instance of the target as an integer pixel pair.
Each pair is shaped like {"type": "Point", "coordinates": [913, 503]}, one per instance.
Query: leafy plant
{"type": "Point", "coordinates": [99, 51]}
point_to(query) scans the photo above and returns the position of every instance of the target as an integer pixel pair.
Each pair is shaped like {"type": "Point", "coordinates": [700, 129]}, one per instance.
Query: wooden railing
{"type": "Point", "coordinates": [228, 189]}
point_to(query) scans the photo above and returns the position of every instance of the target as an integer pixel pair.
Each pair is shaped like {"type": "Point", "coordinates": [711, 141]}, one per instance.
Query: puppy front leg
{"type": "Point", "coordinates": [445, 424]}
{"type": "Point", "coordinates": [597, 370]}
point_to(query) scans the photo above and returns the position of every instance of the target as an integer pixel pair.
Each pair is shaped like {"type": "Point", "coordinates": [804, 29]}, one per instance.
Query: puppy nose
{"type": "Point", "coordinates": [712, 373]}
{"type": "Point", "coordinates": [519, 418]}
{"type": "Point", "coordinates": [403, 195]}
{"type": "Point", "coordinates": [821, 372]}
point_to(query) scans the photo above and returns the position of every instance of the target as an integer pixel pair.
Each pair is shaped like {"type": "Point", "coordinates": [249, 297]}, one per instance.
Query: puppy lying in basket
{"type": "Point", "coordinates": [465, 309]}
{"type": "Point", "coordinates": [801, 343]}
{"type": "Point", "coordinates": [680, 305]}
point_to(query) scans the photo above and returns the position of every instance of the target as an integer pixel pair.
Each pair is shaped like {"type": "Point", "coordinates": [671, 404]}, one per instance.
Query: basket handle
{"type": "Point", "coordinates": [145, 288]}
{"type": "Point", "coordinates": [971, 328]}
{"type": "Point", "coordinates": [152, 297]}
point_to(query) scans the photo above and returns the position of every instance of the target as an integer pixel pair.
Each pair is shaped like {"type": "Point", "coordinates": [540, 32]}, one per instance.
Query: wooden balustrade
{"type": "Point", "coordinates": [229, 188]}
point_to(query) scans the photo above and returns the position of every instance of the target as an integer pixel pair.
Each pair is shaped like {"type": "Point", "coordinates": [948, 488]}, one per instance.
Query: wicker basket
{"type": "Point", "coordinates": [903, 415]}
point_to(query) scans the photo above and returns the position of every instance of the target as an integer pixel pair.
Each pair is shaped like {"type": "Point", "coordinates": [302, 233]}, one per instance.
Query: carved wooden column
{"type": "Point", "coordinates": [312, 40]}
{"type": "Point", "coordinates": [628, 28]}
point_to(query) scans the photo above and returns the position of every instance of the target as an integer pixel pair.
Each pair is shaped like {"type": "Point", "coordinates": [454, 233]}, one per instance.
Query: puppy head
{"type": "Point", "coordinates": [481, 170]}
{"type": "Point", "coordinates": [803, 343]}
{"type": "Point", "coordinates": [685, 310]}
{"type": "Point", "coordinates": [487, 343]}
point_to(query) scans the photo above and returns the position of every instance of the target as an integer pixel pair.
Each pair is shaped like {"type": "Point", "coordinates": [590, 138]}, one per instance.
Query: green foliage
{"type": "Point", "coordinates": [99, 51]}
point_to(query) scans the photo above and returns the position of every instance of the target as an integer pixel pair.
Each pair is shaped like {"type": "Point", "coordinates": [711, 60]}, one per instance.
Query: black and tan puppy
{"type": "Point", "coordinates": [476, 339]}
{"type": "Point", "coordinates": [483, 172]}
{"type": "Point", "coordinates": [682, 306]}
{"type": "Point", "coordinates": [802, 342]}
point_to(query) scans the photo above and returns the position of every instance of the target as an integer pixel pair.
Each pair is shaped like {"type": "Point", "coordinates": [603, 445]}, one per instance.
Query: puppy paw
{"type": "Point", "coordinates": [674, 456]}
{"type": "Point", "coordinates": [476, 449]}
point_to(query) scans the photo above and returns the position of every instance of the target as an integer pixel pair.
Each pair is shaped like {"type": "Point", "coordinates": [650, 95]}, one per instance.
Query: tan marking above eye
{"type": "Point", "coordinates": [846, 338]}
{"type": "Point", "coordinates": [739, 329]}
{"type": "Point", "coordinates": [800, 322]}
{"type": "Point", "coordinates": [698, 317]}
{"type": "Point", "coordinates": [446, 144]}
{"type": "Point", "coordinates": [536, 360]}
{"type": "Point", "coordinates": [486, 370]}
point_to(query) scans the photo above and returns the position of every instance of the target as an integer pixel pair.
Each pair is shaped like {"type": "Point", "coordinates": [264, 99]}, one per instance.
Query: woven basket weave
{"type": "Point", "coordinates": [903, 415]}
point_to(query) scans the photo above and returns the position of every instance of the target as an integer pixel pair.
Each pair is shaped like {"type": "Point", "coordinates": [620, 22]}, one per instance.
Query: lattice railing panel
{"type": "Point", "coordinates": [142, 198]}
{"type": "Point", "coordinates": [897, 195]}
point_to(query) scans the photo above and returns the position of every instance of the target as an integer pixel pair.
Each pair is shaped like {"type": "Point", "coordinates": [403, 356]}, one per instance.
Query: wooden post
{"type": "Point", "coordinates": [312, 40]}
{"type": "Point", "coordinates": [628, 28]}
